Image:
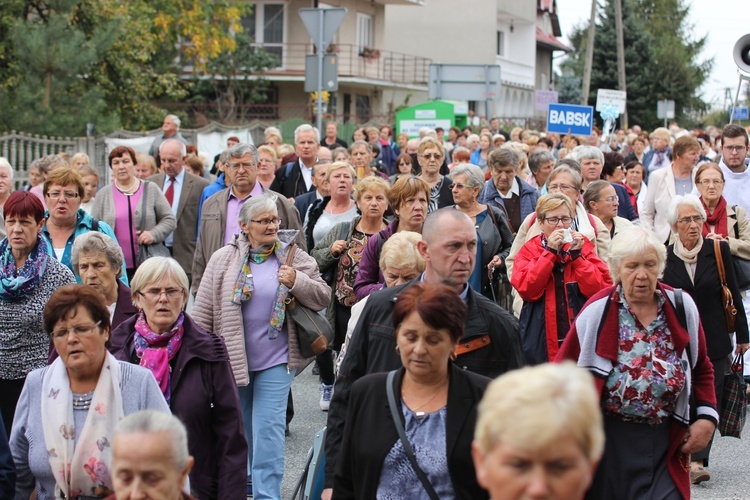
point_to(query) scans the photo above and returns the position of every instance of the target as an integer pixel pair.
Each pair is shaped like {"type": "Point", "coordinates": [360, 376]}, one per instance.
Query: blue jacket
{"type": "Point", "coordinates": [526, 192]}
{"type": "Point", "coordinates": [625, 209]}
{"type": "Point", "coordinates": [208, 191]}
{"type": "Point", "coordinates": [84, 225]}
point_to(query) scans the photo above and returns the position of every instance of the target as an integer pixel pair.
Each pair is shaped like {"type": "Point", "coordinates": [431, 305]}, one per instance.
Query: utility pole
{"type": "Point", "coordinates": [589, 55]}
{"type": "Point", "coordinates": [621, 57]}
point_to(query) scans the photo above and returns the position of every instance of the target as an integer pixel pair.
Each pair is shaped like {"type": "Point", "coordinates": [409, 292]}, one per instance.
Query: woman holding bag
{"type": "Point", "coordinates": [136, 209]}
{"type": "Point", "coordinates": [693, 265]}
{"type": "Point", "coordinates": [243, 297]}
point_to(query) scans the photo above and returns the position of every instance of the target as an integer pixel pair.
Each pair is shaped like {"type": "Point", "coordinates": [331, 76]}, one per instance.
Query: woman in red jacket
{"type": "Point", "coordinates": [555, 273]}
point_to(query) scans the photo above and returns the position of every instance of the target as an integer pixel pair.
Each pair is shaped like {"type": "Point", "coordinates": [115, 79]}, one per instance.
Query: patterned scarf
{"type": "Point", "coordinates": [243, 287]}
{"type": "Point", "coordinates": [81, 469]}
{"type": "Point", "coordinates": [661, 156]}
{"type": "Point", "coordinates": [563, 254]}
{"type": "Point", "coordinates": [156, 350]}
{"type": "Point", "coordinates": [14, 287]}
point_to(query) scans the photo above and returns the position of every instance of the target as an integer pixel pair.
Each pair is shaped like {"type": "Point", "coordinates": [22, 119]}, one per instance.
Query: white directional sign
{"type": "Point", "coordinates": [606, 97]}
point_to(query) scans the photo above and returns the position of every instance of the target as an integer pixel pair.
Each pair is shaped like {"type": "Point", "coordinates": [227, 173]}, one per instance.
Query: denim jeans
{"type": "Point", "coordinates": [263, 403]}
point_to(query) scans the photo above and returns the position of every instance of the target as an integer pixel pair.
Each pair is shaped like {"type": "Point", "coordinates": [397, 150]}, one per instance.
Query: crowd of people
{"type": "Point", "coordinates": [555, 265]}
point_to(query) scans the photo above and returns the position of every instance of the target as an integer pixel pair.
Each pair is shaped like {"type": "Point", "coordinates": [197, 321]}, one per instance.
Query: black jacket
{"type": "Point", "coordinates": [204, 397]}
{"type": "Point", "coordinates": [303, 202]}
{"type": "Point", "coordinates": [291, 185]}
{"type": "Point", "coordinates": [496, 349]}
{"type": "Point", "coordinates": [706, 292]}
{"type": "Point", "coordinates": [317, 208]}
{"type": "Point", "coordinates": [369, 434]}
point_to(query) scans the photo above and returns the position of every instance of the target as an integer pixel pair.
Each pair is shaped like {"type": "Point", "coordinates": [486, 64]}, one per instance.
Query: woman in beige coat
{"type": "Point", "coordinates": [242, 297]}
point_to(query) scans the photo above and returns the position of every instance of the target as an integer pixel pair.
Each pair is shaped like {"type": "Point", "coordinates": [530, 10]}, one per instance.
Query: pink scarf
{"type": "Point", "coordinates": [156, 350]}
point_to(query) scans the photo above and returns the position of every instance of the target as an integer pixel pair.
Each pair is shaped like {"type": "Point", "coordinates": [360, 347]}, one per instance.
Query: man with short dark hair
{"type": "Point", "coordinates": [734, 163]}
{"type": "Point", "coordinates": [490, 346]}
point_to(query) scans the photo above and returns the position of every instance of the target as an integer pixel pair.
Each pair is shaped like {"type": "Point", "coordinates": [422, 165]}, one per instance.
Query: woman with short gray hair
{"type": "Point", "coordinates": [243, 297]}
{"type": "Point", "coordinates": [97, 261]}
{"type": "Point", "coordinates": [193, 371]}
{"type": "Point", "coordinates": [494, 237]}
{"type": "Point", "coordinates": [692, 264]}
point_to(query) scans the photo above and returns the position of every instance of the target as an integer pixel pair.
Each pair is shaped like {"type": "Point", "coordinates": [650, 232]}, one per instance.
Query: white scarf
{"type": "Point", "coordinates": [81, 469]}
{"type": "Point", "coordinates": [689, 257]}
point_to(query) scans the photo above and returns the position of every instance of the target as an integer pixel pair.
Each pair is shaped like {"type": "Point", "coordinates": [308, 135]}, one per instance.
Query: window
{"type": "Point", "coordinates": [364, 31]}
{"type": "Point", "coordinates": [265, 26]}
{"type": "Point", "coordinates": [363, 108]}
{"type": "Point", "coordinates": [501, 43]}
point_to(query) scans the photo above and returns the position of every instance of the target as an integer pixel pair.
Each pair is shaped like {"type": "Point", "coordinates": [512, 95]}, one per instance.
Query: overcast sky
{"type": "Point", "coordinates": [725, 21]}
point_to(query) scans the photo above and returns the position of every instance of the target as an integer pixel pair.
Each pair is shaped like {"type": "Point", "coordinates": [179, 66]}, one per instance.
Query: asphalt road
{"type": "Point", "coordinates": [730, 457]}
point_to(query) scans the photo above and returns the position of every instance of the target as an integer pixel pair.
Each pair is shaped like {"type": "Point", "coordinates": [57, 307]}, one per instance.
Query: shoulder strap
{"type": "Point", "coordinates": [289, 167]}
{"type": "Point", "coordinates": [679, 307]}
{"type": "Point", "coordinates": [344, 230]}
{"type": "Point", "coordinates": [720, 263]}
{"type": "Point", "coordinates": [144, 205]}
{"type": "Point", "coordinates": [396, 416]}
{"type": "Point", "coordinates": [290, 254]}
{"type": "Point", "coordinates": [593, 224]}
{"type": "Point", "coordinates": [491, 213]}
{"type": "Point", "coordinates": [736, 223]}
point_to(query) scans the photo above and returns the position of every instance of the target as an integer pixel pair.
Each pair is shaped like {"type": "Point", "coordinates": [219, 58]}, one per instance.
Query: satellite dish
{"type": "Point", "coordinates": [741, 53]}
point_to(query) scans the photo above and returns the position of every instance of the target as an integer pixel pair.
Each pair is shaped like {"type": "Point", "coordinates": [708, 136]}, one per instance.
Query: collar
{"type": "Point", "coordinates": [179, 178]}
{"type": "Point", "coordinates": [257, 189]}
{"type": "Point", "coordinates": [515, 189]}
{"type": "Point", "coordinates": [302, 163]}
{"type": "Point", "coordinates": [464, 294]}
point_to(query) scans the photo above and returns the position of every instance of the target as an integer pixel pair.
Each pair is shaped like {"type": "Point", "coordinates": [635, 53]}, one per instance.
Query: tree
{"type": "Point", "coordinates": [678, 72]}
{"type": "Point", "coordinates": [230, 86]}
{"type": "Point", "coordinates": [647, 67]}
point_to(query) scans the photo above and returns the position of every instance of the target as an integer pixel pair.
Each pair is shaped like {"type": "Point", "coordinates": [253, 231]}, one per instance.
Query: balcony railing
{"type": "Point", "coordinates": [355, 62]}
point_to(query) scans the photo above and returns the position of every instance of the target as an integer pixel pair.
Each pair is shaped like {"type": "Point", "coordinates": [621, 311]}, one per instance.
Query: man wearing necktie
{"type": "Point", "coordinates": [183, 192]}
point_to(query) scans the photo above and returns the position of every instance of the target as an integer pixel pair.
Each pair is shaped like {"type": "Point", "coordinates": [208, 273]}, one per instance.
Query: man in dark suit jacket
{"type": "Point", "coordinates": [186, 190]}
{"type": "Point", "coordinates": [294, 179]}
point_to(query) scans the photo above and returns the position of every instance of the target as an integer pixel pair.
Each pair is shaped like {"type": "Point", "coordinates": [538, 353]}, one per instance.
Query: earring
{"type": "Point", "coordinates": [453, 356]}
{"type": "Point", "coordinates": [398, 351]}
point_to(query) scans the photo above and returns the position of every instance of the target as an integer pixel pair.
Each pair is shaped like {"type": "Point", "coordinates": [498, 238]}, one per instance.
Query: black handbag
{"type": "Point", "coordinates": [733, 409]}
{"type": "Point", "coordinates": [314, 332]}
{"type": "Point", "coordinates": [145, 252]}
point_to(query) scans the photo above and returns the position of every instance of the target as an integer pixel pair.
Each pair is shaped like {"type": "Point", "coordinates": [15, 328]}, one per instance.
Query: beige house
{"type": "Point", "coordinates": [373, 78]}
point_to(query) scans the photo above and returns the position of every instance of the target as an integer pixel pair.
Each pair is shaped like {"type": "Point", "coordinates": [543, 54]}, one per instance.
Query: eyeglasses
{"type": "Point", "coordinates": [430, 156]}
{"type": "Point", "coordinates": [687, 220]}
{"type": "Point", "coordinates": [609, 199]}
{"type": "Point", "coordinates": [561, 187]}
{"type": "Point", "coordinates": [55, 195]}
{"type": "Point", "coordinates": [78, 331]}
{"type": "Point", "coordinates": [155, 293]}
{"type": "Point", "coordinates": [268, 221]}
{"type": "Point", "coordinates": [735, 149]}
{"type": "Point", "coordinates": [459, 186]}
{"type": "Point", "coordinates": [237, 166]}
{"type": "Point", "coordinates": [556, 220]}
{"type": "Point", "coordinates": [711, 182]}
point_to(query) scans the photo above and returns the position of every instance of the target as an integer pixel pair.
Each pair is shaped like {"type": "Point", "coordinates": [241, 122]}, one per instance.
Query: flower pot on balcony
{"type": "Point", "coordinates": [369, 54]}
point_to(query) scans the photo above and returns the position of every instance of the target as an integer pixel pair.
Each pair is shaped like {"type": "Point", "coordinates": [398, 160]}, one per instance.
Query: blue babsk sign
{"type": "Point", "coordinates": [740, 114]}
{"type": "Point", "coordinates": [564, 118]}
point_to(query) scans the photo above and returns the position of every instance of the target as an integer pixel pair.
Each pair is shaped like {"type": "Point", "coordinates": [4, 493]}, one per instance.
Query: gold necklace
{"type": "Point", "coordinates": [416, 410]}
{"type": "Point", "coordinates": [129, 188]}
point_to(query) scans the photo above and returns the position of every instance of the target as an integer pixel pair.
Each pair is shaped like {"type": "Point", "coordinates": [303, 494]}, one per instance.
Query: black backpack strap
{"type": "Point", "coordinates": [736, 223]}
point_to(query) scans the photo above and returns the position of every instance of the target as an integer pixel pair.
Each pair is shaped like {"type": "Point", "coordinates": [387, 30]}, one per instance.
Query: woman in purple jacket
{"type": "Point", "coordinates": [192, 369]}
